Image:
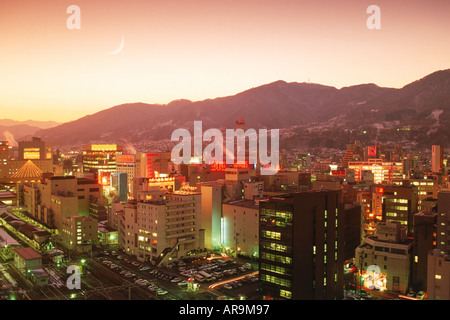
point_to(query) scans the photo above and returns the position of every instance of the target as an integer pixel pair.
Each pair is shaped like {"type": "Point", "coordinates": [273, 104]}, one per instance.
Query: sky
{"type": "Point", "coordinates": [201, 49]}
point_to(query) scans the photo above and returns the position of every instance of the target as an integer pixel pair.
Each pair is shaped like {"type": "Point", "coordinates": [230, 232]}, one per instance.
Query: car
{"type": "Point", "coordinates": [175, 280]}
{"type": "Point", "coordinates": [364, 293]}
{"type": "Point", "coordinates": [145, 268]}
{"type": "Point", "coordinates": [182, 283]}
{"type": "Point", "coordinates": [141, 282]}
{"type": "Point", "coordinates": [161, 292]}
{"type": "Point", "coordinates": [228, 286]}
{"type": "Point", "coordinates": [114, 253]}
{"type": "Point", "coordinates": [120, 257]}
{"type": "Point", "coordinates": [411, 293]}
{"type": "Point", "coordinates": [420, 295]}
{"type": "Point", "coordinates": [130, 275]}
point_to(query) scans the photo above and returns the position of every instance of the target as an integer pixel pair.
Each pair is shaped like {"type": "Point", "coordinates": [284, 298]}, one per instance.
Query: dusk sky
{"type": "Point", "coordinates": [185, 49]}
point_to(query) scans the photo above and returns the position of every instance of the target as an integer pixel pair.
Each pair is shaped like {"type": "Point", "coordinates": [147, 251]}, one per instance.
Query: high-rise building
{"type": "Point", "coordinates": [397, 204]}
{"type": "Point", "coordinates": [443, 223]}
{"type": "Point", "coordinates": [426, 188]}
{"type": "Point", "coordinates": [424, 241]}
{"type": "Point", "coordinates": [167, 226]}
{"type": "Point", "coordinates": [212, 218]}
{"type": "Point", "coordinates": [437, 156]}
{"type": "Point", "coordinates": [438, 280]}
{"type": "Point", "coordinates": [100, 159]}
{"type": "Point", "coordinates": [152, 165]}
{"type": "Point", "coordinates": [301, 247]}
{"type": "Point", "coordinates": [126, 163]}
{"type": "Point", "coordinates": [119, 183]}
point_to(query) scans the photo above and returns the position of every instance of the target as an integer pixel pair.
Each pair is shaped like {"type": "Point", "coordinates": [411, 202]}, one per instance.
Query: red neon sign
{"type": "Point", "coordinates": [219, 167]}
{"type": "Point", "coordinates": [241, 165]}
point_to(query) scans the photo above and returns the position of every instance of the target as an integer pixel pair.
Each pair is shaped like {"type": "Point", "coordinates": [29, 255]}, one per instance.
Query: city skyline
{"type": "Point", "coordinates": [204, 50]}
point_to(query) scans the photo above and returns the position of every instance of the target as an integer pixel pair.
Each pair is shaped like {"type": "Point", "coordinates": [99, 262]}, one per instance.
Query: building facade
{"type": "Point", "coordinates": [301, 247]}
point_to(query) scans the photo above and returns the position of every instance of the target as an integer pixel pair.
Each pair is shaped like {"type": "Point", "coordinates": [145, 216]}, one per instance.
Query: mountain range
{"type": "Point", "coordinates": [308, 114]}
{"type": "Point", "coordinates": [12, 130]}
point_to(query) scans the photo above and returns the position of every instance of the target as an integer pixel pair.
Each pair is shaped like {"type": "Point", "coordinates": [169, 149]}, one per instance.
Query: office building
{"type": "Point", "coordinates": [301, 246]}
{"type": "Point", "coordinates": [437, 156]}
{"type": "Point", "coordinates": [167, 226]}
{"type": "Point", "coordinates": [119, 183]}
{"type": "Point", "coordinates": [100, 159]}
{"type": "Point", "coordinates": [424, 242]}
{"type": "Point", "coordinates": [397, 204]}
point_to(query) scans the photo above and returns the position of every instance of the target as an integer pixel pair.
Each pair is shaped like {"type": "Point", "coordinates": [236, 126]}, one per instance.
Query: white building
{"type": "Point", "coordinates": [240, 227]}
{"type": "Point", "coordinates": [169, 227]}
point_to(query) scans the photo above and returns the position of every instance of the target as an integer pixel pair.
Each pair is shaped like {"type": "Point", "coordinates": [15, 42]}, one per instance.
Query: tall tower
{"type": "Point", "coordinates": [437, 158]}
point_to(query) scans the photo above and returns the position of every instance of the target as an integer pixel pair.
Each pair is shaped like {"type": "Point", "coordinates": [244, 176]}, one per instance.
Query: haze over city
{"type": "Point", "coordinates": [205, 49]}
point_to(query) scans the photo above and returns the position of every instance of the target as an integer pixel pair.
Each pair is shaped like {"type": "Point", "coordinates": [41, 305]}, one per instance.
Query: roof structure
{"type": "Point", "coordinates": [28, 170]}
{"type": "Point", "coordinates": [28, 253]}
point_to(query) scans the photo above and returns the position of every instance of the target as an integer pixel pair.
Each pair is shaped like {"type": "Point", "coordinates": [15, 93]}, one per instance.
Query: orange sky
{"type": "Point", "coordinates": [199, 49]}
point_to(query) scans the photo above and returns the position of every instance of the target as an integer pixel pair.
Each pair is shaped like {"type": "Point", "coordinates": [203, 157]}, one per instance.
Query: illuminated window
{"type": "Point", "coordinates": [285, 294]}
{"type": "Point", "coordinates": [271, 235]}
{"type": "Point", "coordinates": [31, 153]}
{"type": "Point", "coordinates": [437, 276]}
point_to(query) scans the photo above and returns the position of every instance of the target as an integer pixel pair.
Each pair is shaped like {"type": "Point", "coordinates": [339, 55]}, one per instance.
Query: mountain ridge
{"type": "Point", "coordinates": [278, 104]}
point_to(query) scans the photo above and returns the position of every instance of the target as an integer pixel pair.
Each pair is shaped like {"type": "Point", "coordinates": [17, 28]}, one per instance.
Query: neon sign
{"type": "Point", "coordinates": [218, 167]}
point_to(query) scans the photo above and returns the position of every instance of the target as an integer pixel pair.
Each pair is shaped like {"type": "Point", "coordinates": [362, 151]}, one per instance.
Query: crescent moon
{"type": "Point", "coordinates": [122, 43]}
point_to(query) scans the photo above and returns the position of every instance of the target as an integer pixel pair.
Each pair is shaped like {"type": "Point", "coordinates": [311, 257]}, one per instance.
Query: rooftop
{"type": "Point", "coordinates": [244, 203]}
{"type": "Point", "coordinates": [28, 253]}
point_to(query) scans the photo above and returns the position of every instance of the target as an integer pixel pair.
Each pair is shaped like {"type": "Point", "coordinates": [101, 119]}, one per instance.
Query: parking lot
{"type": "Point", "coordinates": [213, 276]}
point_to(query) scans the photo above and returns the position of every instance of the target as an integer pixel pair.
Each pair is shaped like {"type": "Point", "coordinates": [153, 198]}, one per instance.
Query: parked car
{"type": "Point", "coordinates": [161, 292]}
